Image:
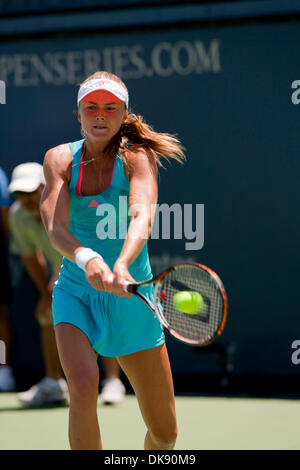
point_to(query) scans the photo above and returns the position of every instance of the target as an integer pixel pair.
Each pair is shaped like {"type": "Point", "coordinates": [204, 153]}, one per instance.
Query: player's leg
{"type": "Point", "coordinates": [79, 362]}
{"type": "Point", "coordinates": [50, 354]}
{"type": "Point", "coordinates": [150, 375]}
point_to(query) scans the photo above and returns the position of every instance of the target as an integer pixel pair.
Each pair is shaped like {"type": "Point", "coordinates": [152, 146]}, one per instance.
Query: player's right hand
{"type": "Point", "coordinates": [102, 278]}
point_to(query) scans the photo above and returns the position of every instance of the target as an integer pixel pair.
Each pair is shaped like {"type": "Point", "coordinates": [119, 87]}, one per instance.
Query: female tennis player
{"type": "Point", "coordinates": [118, 158]}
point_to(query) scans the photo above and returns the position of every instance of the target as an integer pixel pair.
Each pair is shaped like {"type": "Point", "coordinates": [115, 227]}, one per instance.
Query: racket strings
{"type": "Point", "coordinates": [200, 327]}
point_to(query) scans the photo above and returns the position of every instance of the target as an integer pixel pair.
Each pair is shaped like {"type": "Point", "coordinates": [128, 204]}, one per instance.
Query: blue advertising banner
{"type": "Point", "coordinates": [32, 6]}
{"type": "Point", "coordinates": [227, 93]}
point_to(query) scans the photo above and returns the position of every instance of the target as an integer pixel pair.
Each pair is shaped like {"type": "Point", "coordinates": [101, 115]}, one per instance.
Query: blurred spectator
{"type": "Point", "coordinates": [7, 380]}
{"type": "Point", "coordinates": [30, 240]}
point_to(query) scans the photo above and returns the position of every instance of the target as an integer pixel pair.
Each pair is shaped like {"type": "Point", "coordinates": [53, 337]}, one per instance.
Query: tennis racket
{"type": "Point", "coordinates": [198, 329]}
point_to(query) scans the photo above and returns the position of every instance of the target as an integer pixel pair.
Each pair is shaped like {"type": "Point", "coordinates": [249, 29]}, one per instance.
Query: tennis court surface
{"type": "Point", "coordinates": [204, 423]}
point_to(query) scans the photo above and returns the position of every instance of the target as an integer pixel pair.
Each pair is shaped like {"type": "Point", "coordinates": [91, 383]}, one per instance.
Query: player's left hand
{"type": "Point", "coordinates": [122, 275]}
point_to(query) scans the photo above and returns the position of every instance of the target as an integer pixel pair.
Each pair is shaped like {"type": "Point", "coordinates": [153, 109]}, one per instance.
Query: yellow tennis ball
{"type": "Point", "coordinates": [188, 302]}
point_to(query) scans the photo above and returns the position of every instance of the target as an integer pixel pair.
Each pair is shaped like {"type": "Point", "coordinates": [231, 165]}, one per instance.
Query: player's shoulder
{"type": "Point", "coordinates": [58, 162]}
{"type": "Point", "coordinates": [138, 158]}
{"type": "Point", "coordinates": [136, 151]}
{"type": "Point", "coordinates": [138, 155]}
{"type": "Point", "coordinates": [58, 154]}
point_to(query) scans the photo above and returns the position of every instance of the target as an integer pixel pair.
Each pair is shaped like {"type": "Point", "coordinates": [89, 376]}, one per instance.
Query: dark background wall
{"type": "Point", "coordinates": [225, 89]}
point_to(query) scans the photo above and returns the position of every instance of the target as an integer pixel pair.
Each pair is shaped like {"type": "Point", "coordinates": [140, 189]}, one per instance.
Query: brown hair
{"type": "Point", "coordinates": [135, 130]}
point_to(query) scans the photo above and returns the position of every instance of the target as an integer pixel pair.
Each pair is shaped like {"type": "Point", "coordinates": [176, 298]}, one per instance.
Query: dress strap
{"type": "Point", "coordinates": [76, 149]}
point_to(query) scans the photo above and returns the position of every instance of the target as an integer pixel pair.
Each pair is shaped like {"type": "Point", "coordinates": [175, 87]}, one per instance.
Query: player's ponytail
{"type": "Point", "coordinates": [162, 145]}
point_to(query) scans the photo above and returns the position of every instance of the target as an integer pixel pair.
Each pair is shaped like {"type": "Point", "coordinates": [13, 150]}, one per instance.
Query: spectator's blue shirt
{"type": "Point", "coordinates": [5, 199]}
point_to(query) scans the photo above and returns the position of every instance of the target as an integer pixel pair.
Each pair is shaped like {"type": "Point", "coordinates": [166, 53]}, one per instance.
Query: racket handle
{"type": "Point", "coordinates": [128, 287]}
{"type": "Point", "coordinates": [131, 288]}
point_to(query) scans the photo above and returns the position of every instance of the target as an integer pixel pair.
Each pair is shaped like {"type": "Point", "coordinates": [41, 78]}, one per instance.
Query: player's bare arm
{"type": "Point", "coordinates": [55, 201]}
{"type": "Point", "coordinates": [141, 171]}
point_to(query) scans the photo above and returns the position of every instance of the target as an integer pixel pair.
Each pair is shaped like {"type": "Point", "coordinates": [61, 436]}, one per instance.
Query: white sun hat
{"type": "Point", "coordinates": [26, 177]}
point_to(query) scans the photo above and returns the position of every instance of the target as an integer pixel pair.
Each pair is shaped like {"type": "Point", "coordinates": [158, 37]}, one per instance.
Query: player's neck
{"type": "Point", "coordinates": [94, 149]}
{"type": "Point", "coordinates": [94, 154]}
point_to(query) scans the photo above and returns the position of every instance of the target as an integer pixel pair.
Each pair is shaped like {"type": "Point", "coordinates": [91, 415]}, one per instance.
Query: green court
{"type": "Point", "coordinates": [204, 423]}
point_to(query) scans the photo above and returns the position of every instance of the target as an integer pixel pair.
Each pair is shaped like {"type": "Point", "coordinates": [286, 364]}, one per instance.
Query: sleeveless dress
{"type": "Point", "coordinates": [115, 326]}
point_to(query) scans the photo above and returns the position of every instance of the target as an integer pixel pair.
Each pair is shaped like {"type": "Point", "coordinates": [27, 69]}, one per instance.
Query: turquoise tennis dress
{"type": "Point", "coordinates": [115, 326]}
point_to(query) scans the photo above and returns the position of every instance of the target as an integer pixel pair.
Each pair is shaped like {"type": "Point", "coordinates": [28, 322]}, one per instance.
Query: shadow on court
{"type": "Point", "coordinates": [19, 407]}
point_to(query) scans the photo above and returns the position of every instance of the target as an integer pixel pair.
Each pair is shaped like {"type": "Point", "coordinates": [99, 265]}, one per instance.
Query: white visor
{"type": "Point", "coordinates": [103, 84]}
